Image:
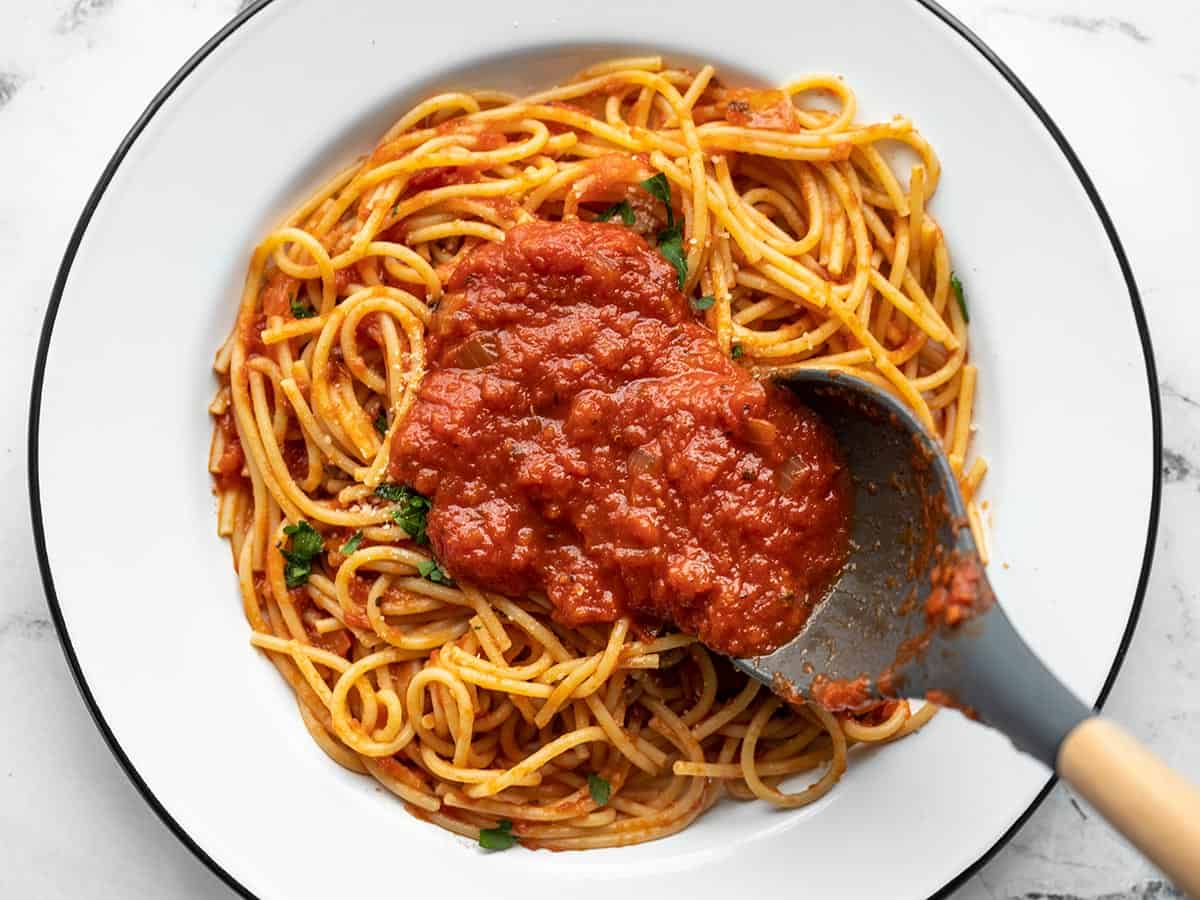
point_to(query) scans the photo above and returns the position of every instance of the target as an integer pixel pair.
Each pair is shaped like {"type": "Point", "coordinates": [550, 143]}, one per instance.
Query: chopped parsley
{"type": "Point", "coordinates": [670, 239]}
{"type": "Point", "coordinates": [431, 571]}
{"type": "Point", "coordinates": [498, 838]}
{"type": "Point", "coordinates": [737, 351]}
{"type": "Point", "coordinates": [599, 789]}
{"type": "Point", "coordinates": [411, 516]}
{"type": "Point", "coordinates": [622, 209]}
{"type": "Point", "coordinates": [393, 492]}
{"type": "Point", "coordinates": [381, 422]}
{"type": "Point", "coordinates": [295, 572]}
{"type": "Point", "coordinates": [410, 511]}
{"type": "Point", "coordinates": [958, 292]}
{"type": "Point", "coordinates": [699, 304]}
{"type": "Point", "coordinates": [351, 545]}
{"type": "Point", "coordinates": [670, 245]}
{"type": "Point", "coordinates": [659, 188]}
{"type": "Point", "coordinates": [306, 543]}
{"type": "Point", "coordinates": [300, 308]}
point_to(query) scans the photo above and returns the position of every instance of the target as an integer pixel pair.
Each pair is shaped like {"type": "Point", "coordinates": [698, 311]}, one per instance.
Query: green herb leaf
{"type": "Point", "coordinates": [300, 309]}
{"type": "Point", "coordinates": [306, 543]}
{"type": "Point", "coordinates": [737, 351]}
{"type": "Point", "coordinates": [381, 422]}
{"type": "Point", "coordinates": [599, 789]}
{"type": "Point", "coordinates": [622, 209]}
{"type": "Point", "coordinates": [670, 239]}
{"type": "Point", "coordinates": [295, 574]}
{"type": "Point", "coordinates": [351, 545]}
{"type": "Point", "coordinates": [431, 571]}
{"type": "Point", "coordinates": [958, 292]}
{"type": "Point", "coordinates": [498, 838]}
{"type": "Point", "coordinates": [699, 304]}
{"type": "Point", "coordinates": [659, 188]}
{"type": "Point", "coordinates": [670, 245]}
{"type": "Point", "coordinates": [412, 518]}
{"type": "Point", "coordinates": [393, 492]}
{"type": "Point", "coordinates": [411, 509]}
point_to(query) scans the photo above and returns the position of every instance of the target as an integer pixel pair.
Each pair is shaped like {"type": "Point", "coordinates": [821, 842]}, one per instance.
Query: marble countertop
{"type": "Point", "coordinates": [1121, 79]}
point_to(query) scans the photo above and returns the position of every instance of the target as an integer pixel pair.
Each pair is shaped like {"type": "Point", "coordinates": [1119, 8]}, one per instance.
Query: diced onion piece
{"type": "Point", "coordinates": [642, 462]}
{"type": "Point", "coordinates": [761, 432]}
{"type": "Point", "coordinates": [789, 473]}
{"type": "Point", "coordinates": [481, 349]}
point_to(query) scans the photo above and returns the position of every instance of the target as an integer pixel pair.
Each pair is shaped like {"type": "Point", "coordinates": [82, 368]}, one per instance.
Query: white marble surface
{"type": "Point", "coordinates": [1122, 79]}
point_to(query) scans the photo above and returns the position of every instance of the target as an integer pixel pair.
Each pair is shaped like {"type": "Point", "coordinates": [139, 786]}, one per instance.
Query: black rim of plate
{"type": "Point", "coordinates": [198, 57]}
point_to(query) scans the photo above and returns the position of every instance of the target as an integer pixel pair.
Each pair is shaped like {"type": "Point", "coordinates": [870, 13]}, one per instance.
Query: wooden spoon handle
{"type": "Point", "coordinates": [1156, 808]}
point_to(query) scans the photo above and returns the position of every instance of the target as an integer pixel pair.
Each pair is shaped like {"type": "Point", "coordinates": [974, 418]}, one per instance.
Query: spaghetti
{"type": "Point", "coordinates": [797, 244]}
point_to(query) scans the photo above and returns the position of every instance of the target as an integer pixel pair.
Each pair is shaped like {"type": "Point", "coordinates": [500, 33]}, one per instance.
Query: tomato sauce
{"type": "Point", "coordinates": [233, 458]}
{"type": "Point", "coordinates": [768, 109]}
{"type": "Point", "coordinates": [581, 434]}
{"type": "Point", "coordinates": [847, 694]}
{"type": "Point", "coordinates": [958, 592]}
{"type": "Point", "coordinates": [440, 176]}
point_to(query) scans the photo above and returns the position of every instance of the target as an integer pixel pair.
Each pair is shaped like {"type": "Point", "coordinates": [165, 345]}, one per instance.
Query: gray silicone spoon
{"type": "Point", "coordinates": [909, 530]}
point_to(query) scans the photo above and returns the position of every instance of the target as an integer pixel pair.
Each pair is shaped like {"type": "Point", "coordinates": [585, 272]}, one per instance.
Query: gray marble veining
{"type": "Point", "coordinates": [1102, 23]}
{"type": "Point", "coordinates": [26, 626]}
{"type": "Point", "coordinates": [1171, 392]}
{"type": "Point", "coordinates": [1090, 24]}
{"type": "Point", "coordinates": [1177, 467]}
{"type": "Point", "coordinates": [1152, 889]}
{"type": "Point", "coordinates": [10, 83]}
{"type": "Point", "coordinates": [80, 12]}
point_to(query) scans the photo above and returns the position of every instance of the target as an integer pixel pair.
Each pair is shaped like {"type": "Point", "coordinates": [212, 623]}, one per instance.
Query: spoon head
{"type": "Point", "coordinates": [909, 521]}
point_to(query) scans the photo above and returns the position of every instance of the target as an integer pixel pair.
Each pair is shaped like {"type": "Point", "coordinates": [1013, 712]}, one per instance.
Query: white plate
{"type": "Point", "coordinates": [144, 594]}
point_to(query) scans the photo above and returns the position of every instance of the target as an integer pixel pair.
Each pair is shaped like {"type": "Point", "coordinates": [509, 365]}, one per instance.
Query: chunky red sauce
{"type": "Point", "coordinates": [233, 458]}
{"type": "Point", "coordinates": [761, 109]}
{"type": "Point", "coordinates": [580, 433]}
{"type": "Point", "coordinates": [847, 694]}
{"type": "Point", "coordinates": [957, 592]}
